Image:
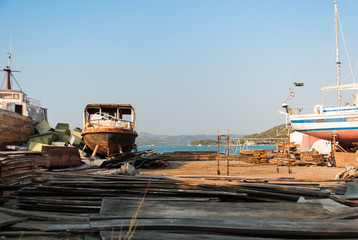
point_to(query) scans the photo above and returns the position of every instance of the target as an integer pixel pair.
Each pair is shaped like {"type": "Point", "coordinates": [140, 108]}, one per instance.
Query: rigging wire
{"type": "Point", "coordinates": [16, 81]}
{"type": "Point", "coordinates": [346, 50]}
{"type": "Point", "coordinates": [2, 84]}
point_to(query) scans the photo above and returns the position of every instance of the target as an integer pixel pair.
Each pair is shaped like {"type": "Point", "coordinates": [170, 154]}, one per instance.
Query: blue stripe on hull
{"type": "Point", "coordinates": [304, 121]}
{"type": "Point", "coordinates": [340, 110]}
{"type": "Point", "coordinates": [328, 129]}
{"type": "Point", "coordinates": [315, 120]}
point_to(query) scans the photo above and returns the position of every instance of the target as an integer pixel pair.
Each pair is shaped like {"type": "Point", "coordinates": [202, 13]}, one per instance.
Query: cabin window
{"type": "Point", "coordinates": [320, 120]}
{"type": "Point", "coordinates": [6, 96]}
{"type": "Point", "coordinates": [125, 114]}
{"type": "Point", "coordinates": [91, 112]}
{"type": "Point", "coordinates": [16, 96]}
{"type": "Point", "coordinates": [127, 117]}
{"type": "Point", "coordinates": [109, 112]}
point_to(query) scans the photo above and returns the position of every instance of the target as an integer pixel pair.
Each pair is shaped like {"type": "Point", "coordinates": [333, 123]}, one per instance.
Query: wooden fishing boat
{"type": "Point", "coordinates": [18, 113]}
{"type": "Point", "coordinates": [109, 128]}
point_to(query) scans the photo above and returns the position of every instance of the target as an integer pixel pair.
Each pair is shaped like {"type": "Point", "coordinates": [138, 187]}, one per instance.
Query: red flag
{"type": "Point", "coordinates": [292, 94]}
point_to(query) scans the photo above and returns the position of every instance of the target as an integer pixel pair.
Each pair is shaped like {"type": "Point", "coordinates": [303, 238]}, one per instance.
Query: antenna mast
{"type": "Point", "coordinates": [8, 74]}
{"type": "Point", "coordinates": [337, 54]}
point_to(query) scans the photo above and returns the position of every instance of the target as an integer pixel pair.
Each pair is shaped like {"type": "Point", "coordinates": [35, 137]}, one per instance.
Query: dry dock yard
{"type": "Point", "coordinates": [147, 195]}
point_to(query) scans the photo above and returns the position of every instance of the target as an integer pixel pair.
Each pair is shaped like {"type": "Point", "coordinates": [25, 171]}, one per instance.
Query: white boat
{"type": "Point", "coordinates": [340, 122]}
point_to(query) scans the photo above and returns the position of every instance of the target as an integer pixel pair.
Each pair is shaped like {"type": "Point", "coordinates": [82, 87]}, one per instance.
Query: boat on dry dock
{"type": "Point", "coordinates": [109, 128]}
{"type": "Point", "coordinates": [18, 113]}
{"type": "Point", "coordinates": [339, 123]}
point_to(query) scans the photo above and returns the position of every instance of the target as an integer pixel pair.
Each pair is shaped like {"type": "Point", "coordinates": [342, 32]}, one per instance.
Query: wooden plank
{"type": "Point", "coordinates": [328, 204]}
{"type": "Point", "coordinates": [344, 159]}
{"type": "Point", "coordinates": [21, 152]}
{"type": "Point", "coordinates": [295, 190]}
{"type": "Point", "coordinates": [73, 191]}
{"type": "Point", "coordinates": [7, 220]}
{"type": "Point", "coordinates": [115, 185]}
{"type": "Point", "coordinates": [24, 234]}
{"type": "Point", "coordinates": [169, 209]}
{"type": "Point", "coordinates": [155, 235]}
{"type": "Point", "coordinates": [346, 213]}
{"type": "Point", "coordinates": [352, 190]}
{"type": "Point", "coordinates": [31, 226]}
{"type": "Point", "coordinates": [17, 172]}
{"type": "Point", "coordinates": [61, 201]}
{"type": "Point", "coordinates": [38, 215]}
{"type": "Point", "coordinates": [284, 228]}
{"type": "Point", "coordinates": [341, 199]}
{"type": "Point", "coordinates": [60, 208]}
{"type": "Point", "coordinates": [67, 227]}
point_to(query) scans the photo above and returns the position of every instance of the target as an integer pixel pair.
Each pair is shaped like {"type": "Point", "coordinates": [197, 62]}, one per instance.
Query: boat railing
{"type": "Point", "coordinates": [111, 123]}
{"type": "Point", "coordinates": [300, 110]}
{"type": "Point", "coordinates": [320, 109]}
{"type": "Point", "coordinates": [33, 101]}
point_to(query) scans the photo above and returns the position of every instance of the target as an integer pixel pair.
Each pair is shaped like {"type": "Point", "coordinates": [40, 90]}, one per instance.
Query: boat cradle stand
{"type": "Point", "coordinates": [334, 146]}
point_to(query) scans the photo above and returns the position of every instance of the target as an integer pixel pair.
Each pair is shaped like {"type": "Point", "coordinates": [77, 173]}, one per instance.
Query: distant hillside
{"type": "Point", "coordinates": [271, 133]}
{"type": "Point", "coordinates": [144, 137]}
{"type": "Point", "coordinates": [179, 139]}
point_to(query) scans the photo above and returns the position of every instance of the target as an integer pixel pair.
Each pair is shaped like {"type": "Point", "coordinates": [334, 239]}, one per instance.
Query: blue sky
{"type": "Point", "coordinates": [188, 67]}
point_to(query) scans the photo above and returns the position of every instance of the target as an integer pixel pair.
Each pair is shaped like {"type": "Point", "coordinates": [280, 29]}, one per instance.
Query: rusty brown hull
{"type": "Point", "coordinates": [109, 142]}
{"type": "Point", "coordinates": [15, 129]}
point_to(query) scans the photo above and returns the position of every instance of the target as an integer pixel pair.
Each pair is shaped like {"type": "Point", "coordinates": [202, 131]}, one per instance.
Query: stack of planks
{"type": "Point", "coordinates": [19, 167]}
{"type": "Point", "coordinates": [192, 155]}
{"type": "Point", "coordinates": [285, 146]}
{"type": "Point", "coordinates": [288, 147]}
{"type": "Point", "coordinates": [141, 159]}
{"type": "Point", "coordinates": [175, 208]}
{"type": "Point", "coordinates": [255, 156]}
{"type": "Point", "coordinates": [310, 158]}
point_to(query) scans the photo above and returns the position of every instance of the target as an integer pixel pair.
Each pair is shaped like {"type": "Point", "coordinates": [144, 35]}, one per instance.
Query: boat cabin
{"type": "Point", "coordinates": [18, 102]}
{"type": "Point", "coordinates": [109, 115]}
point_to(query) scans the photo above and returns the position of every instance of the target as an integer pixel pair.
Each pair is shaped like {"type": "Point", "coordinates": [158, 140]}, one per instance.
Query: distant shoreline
{"type": "Point", "coordinates": [183, 144]}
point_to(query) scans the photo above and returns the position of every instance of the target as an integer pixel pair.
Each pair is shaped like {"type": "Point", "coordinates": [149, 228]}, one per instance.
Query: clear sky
{"type": "Point", "coordinates": [187, 66]}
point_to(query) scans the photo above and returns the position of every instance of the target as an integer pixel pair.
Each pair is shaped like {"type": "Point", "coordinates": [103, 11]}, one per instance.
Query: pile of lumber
{"type": "Point", "coordinates": [310, 158]}
{"type": "Point", "coordinates": [17, 168]}
{"type": "Point", "coordinates": [192, 155]}
{"type": "Point", "coordinates": [290, 151]}
{"type": "Point", "coordinates": [254, 155]}
{"type": "Point", "coordinates": [199, 156]}
{"type": "Point", "coordinates": [288, 147]}
{"type": "Point", "coordinates": [109, 207]}
{"type": "Point", "coordinates": [141, 159]}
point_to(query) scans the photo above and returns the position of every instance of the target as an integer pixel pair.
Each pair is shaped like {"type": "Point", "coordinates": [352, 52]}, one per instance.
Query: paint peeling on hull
{"type": "Point", "coordinates": [109, 142]}
{"type": "Point", "coordinates": [15, 129]}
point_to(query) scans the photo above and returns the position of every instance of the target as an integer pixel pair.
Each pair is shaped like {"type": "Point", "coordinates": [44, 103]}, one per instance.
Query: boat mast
{"type": "Point", "coordinates": [337, 54]}
{"type": "Point", "coordinates": [8, 70]}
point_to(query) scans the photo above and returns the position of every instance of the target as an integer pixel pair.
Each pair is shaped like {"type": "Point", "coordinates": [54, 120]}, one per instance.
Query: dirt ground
{"type": "Point", "coordinates": [243, 169]}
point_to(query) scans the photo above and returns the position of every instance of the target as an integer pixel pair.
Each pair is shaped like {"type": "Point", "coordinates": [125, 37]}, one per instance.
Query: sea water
{"type": "Point", "coordinates": [173, 148]}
